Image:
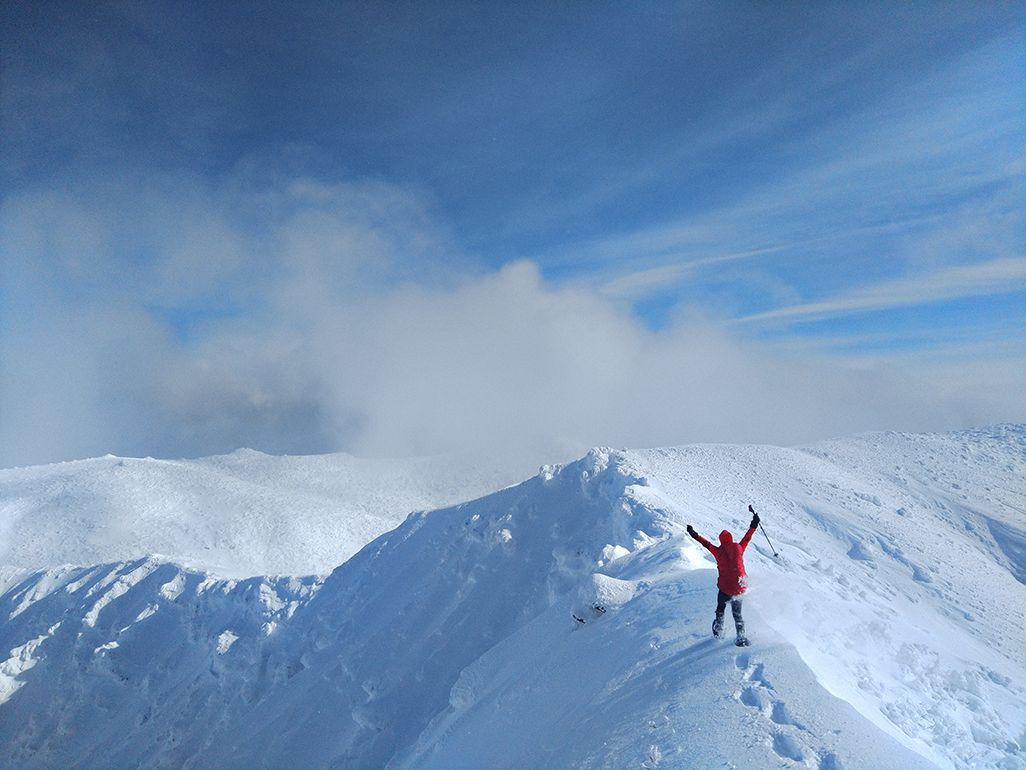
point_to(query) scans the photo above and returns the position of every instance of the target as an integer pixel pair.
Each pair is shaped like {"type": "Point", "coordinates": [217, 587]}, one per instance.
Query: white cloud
{"type": "Point", "coordinates": [361, 327]}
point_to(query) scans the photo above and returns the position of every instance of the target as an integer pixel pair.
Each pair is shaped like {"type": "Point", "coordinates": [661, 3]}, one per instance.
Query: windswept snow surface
{"type": "Point", "coordinates": [886, 634]}
{"type": "Point", "coordinates": [236, 515]}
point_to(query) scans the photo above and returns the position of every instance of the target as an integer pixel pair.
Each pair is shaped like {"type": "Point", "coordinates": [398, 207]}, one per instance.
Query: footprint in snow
{"type": "Point", "coordinates": [789, 738]}
{"type": "Point", "coordinates": [787, 747]}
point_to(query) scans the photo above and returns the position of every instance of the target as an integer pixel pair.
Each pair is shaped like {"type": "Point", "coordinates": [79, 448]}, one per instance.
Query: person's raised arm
{"type": "Point", "coordinates": [751, 531]}
{"type": "Point", "coordinates": [702, 540]}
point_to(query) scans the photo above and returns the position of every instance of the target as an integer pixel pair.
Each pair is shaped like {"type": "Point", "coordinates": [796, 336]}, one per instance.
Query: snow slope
{"type": "Point", "coordinates": [236, 515]}
{"type": "Point", "coordinates": [887, 632]}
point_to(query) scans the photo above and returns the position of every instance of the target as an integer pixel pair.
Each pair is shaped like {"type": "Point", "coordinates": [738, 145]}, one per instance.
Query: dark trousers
{"type": "Point", "coordinates": [735, 609]}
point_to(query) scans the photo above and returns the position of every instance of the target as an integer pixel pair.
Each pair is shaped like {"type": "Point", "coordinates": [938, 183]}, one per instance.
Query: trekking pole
{"type": "Point", "coordinates": [751, 510]}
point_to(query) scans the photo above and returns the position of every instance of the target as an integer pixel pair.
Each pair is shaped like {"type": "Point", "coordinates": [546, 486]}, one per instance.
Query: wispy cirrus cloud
{"type": "Point", "coordinates": [636, 285]}
{"type": "Point", "coordinates": [913, 178]}
{"type": "Point", "coordinates": [994, 277]}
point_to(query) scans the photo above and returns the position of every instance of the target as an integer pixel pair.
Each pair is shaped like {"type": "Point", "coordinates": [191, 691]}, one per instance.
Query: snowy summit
{"type": "Point", "coordinates": [560, 623]}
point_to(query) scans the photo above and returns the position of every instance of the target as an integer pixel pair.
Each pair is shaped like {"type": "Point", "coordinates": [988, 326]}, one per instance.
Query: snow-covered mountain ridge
{"type": "Point", "coordinates": [234, 515]}
{"type": "Point", "coordinates": [887, 633]}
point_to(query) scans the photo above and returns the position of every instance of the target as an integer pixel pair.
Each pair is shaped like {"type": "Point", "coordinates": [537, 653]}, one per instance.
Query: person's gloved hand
{"type": "Point", "coordinates": [755, 522]}
{"type": "Point", "coordinates": [691, 531]}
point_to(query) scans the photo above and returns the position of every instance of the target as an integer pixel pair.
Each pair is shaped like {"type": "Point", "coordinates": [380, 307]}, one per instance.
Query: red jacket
{"type": "Point", "coordinates": [730, 561]}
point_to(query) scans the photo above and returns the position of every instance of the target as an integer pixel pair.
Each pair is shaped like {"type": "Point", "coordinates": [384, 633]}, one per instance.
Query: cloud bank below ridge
{"type": "Point", "coordinates": [181, 317]}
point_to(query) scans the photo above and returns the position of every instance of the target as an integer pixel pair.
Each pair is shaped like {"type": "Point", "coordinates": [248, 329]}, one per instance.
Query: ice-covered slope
{"type": "Point", "coordinates": [886, 634]}
{"type": "Point", "coordinates": [236, 515]}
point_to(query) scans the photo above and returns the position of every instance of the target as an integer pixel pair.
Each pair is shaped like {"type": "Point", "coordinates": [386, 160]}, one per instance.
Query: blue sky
{"type": "Point", "coordinates": [827, 188]}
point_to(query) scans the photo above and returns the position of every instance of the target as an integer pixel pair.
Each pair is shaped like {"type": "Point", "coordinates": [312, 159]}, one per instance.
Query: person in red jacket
{"type": "Point", "coordinates": [732, 581]}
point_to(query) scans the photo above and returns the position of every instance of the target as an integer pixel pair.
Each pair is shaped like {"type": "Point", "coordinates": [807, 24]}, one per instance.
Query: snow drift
{"type": "Point", "coordinates": [887, 633]}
